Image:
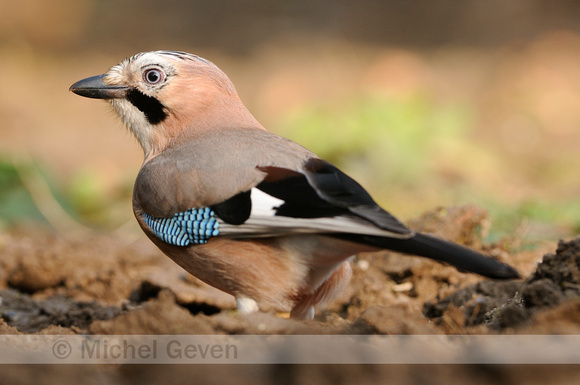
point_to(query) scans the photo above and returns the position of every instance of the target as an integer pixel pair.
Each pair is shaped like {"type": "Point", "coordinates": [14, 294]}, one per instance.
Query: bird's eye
{"type": "Point", "coordinates": [153, 76]}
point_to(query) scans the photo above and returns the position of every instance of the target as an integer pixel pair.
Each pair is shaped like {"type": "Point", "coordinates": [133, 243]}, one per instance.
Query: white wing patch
{"type": "Point", "coordinates": [263, 204]}
{"type": "Point", "coordinates": [264, 223]}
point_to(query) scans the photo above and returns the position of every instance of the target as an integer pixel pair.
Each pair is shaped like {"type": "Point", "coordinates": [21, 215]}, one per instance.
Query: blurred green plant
{"type": "Point", "coordinates": [29, 193]}
{"type": "Point", "coordinates": [15, 200]}
{"type": "Point", "coordinates": [87, 198]}
{"type": "Point", "coordinates": [392, 138]}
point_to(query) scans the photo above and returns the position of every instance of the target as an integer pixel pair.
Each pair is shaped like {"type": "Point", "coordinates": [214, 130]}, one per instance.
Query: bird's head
{"type": "Point", "coordinates": [167, 96]}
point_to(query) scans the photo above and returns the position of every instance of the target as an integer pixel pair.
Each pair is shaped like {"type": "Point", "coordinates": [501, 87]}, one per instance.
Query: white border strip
{"type": "Point", "coordinates": [293, 349]}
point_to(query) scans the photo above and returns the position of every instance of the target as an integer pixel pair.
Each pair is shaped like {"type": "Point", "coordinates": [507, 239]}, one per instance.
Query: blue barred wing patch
{"type": "Point", "coordinates": [191, 227]}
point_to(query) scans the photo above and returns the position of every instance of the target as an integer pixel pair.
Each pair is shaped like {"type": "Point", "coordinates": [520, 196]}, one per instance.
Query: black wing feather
{"type": "Point", "coordinates": [300, 199]}
{"type": "Point", "coordinates": [339, 189]}
{"type": "Point", "coordinates": [325, 191]}
{"type": "Point", "coordinates": [235, 210]}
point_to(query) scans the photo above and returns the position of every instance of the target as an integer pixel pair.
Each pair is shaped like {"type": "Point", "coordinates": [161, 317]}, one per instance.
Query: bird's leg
{"type": "Point", "coordinates": [246, 305]}
{"type": "Point", "coordinates": [332, 287]}
{"type": "Point", "coordinates": [303, 313]}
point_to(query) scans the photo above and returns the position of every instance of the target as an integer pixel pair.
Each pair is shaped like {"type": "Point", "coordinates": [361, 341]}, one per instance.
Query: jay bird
{"type": "Point", "coordinates": [244, 210]}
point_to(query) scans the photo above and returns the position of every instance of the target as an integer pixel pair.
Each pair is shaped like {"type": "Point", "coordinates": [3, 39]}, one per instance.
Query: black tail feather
{"type": "Point", "coordinates": [428, 246]}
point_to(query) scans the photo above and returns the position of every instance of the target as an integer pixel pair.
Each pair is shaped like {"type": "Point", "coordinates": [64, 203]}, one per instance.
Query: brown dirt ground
{"type": "Point", "coordinates": [98, 284]}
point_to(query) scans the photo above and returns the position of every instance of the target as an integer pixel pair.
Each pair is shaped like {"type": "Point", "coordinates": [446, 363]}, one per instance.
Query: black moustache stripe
{"type": "Point", "coordinates": [154, 111]}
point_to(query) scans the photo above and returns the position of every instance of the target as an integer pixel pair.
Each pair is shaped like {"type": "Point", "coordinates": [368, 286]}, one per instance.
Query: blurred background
{"type": "Point", "coordinates": [426, 103]}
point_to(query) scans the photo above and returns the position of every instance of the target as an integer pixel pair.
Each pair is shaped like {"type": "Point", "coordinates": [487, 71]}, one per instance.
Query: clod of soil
{"type": "Point", "coordinates": [508, 305]}
{"type": "Point", "coordinates": [19, 310]}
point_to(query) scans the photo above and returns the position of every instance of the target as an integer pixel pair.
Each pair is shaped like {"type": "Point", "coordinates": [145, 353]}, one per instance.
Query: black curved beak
{"type": "Point", "coordinates": [95, 88]}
